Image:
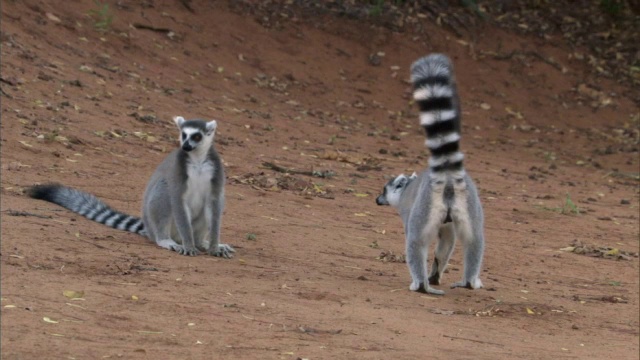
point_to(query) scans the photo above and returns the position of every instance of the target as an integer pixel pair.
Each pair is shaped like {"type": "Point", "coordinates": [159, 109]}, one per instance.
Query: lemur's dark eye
{"type": "Point", "coordinates": [184, 136]}
{"type": "Point", "coordinates": [196, 137]}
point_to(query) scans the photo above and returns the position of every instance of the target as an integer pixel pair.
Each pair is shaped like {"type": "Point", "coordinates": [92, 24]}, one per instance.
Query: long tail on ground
{"type": "Point", "coordinates": [436, 95]}
{"type": "Point", "coordinates": [88, 206]}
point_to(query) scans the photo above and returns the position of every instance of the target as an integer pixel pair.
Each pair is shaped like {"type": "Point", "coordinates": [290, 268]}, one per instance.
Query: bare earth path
{"type": "Point", "coordinates": [314, 276]}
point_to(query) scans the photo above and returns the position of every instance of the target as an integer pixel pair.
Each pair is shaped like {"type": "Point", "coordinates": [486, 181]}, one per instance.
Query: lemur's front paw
{"type": "Point", "coordinates": [187, 251]}
{"type": "Point", "coordinates": [472, 285]}
{"type": "Point", "coordinates": [223, 250]}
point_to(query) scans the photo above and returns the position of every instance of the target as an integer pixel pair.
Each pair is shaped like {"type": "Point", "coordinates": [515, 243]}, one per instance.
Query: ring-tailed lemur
{"type": "Point", "coordinates": [184, 198]}
{"type": "Point", "coordinates": [442, 201]}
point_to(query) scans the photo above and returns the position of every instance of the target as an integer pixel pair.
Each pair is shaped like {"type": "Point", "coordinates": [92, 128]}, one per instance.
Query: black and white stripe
{"type": "Point", "coordinates": [88, 206]}
{"type": "Point", "coordinates": [436, 95]}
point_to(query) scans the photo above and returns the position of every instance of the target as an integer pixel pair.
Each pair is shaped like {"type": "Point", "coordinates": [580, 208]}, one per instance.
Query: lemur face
{"type": "Point", "coordinates": [195, 133]}
{"type": "Point", "coordinates": [392, 191]}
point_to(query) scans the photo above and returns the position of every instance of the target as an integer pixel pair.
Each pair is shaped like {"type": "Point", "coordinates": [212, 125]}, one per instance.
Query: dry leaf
{"type": "Point", "coordinates": [71, 294]}
{"type": "Point", "coordinates": [52, 17]}
{"type": "Point", "coordinates": [442, 312]}
{"type": "Point", "coordinates": [530, 312]}
{"type": "Point", "coordinates": [613, 251]}
{"type": "Point", "coordinates": [517, 114]}
{"type": "Point", "coordinates": [75, 305]}
{"type": "Point", "coordinates": [48, 320]}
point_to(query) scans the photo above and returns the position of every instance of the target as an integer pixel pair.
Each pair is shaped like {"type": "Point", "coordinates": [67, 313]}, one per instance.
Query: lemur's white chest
{"type": "Point", "coordinates": [198, 186]}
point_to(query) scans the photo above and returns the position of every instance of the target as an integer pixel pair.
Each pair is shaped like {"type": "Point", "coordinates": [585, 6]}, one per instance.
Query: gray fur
{"type": "Point", "coordinates": [441, 202]}
{"type": "Point", "coordinates": [183, 201]}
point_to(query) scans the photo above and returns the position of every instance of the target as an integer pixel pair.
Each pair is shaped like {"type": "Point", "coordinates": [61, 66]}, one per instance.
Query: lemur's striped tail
{"type": "Point", "coordinates": [436, 95]}
{"type": "Point", "coordinates": [88, 206]}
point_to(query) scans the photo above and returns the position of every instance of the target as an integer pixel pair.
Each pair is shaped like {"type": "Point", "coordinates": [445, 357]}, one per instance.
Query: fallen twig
{"type": "Point", "coordinates": [278, 168]}
{"type": "Point", "coordinates": [24, 213]}
{"type": "Point", "coordinates": [509, 55]}
{"type": "Point", "coordinates": [152, 28]}
{"type": "Point", "coordinates": [477, 341]}
{"type": "Point", "coordinates": [5, 93]}
{"type": "Point", "coordinates": [187, 4]}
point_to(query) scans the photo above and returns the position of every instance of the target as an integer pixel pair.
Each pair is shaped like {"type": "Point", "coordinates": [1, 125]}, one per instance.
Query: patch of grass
{"type": "Point", "coordinates": [473, 6]}
{"type": "Point", "coordinates": [569, 207]}
{"type": "Point", "coordinates": [251, 237]}
{"type": "Point", "coordinates": [378, 5]}
{"type": "Point", "coordinates": [549, 156]}
{"type": "Point", "coordinates": [611, 7]}
{"type": "Point", "coordinates": [376, 8]}
{"type": "Point", "coordinates": [102, 16]}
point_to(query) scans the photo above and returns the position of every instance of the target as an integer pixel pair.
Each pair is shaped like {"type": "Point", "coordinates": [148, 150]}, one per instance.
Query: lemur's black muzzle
{"type": "Point", "coordinates": [187, 147]}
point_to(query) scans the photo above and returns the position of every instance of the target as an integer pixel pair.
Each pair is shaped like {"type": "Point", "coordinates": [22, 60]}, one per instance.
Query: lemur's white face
{"type": "Point", "coordinates": [195, 133]}
{"type": "Point", "coordinates": [392, 191]}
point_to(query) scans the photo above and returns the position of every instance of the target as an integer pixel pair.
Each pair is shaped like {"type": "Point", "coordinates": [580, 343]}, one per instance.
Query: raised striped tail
{"type": "Point", "coordinates": [434, 90]}
{"type": "Point", "coordinates": [88, 206]}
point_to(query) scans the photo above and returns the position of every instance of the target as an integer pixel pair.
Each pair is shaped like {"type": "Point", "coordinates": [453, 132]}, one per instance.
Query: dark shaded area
{"type": "Point", "coordinates": [604, 33]}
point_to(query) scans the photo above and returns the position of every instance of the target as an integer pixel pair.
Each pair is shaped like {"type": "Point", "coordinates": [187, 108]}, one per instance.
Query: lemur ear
{"type": "Point", "coordinates": [401, 181]}
{"type": "Point", "coordinates": [211, 126]}
{"type": "Point", "coordinates": [179, 120]}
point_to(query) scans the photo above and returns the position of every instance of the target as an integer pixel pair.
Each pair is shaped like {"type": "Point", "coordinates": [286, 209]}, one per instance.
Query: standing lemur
{"type": "Point", "coordinates": [183, 202]}
{"type": "Point", "coordinates": [442, 202]}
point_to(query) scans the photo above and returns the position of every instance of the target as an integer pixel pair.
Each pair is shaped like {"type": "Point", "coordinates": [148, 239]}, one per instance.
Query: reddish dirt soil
{"type": "Point", "coordinates": [93, 110]}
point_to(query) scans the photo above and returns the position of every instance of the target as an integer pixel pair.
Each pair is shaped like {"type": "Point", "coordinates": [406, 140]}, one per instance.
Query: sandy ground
{"type": "Point", "coordinates": [317, 273]}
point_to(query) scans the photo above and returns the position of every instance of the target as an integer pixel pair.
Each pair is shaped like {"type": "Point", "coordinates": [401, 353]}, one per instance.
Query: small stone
{"type": "Point", "coordinates": [52, 17]}
{"type": "Point", "coordinates": [625, 202]}
{"type": "Point", "coordinates": [375, 60]}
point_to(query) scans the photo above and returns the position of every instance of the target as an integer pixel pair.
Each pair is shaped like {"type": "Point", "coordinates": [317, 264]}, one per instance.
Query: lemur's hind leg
{"type": "Point", "coordinates": [469, 232]}
{"type": "Point", "coordinates": [417, 253]}
{"type": "Point", "coordinates": [444, 249]}
{"type": "Point", "coordinates": [157, 221]}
